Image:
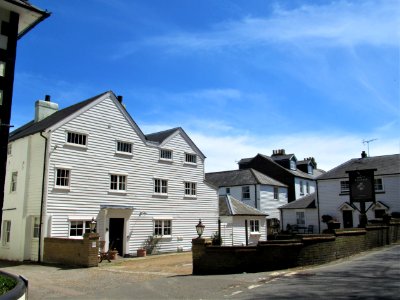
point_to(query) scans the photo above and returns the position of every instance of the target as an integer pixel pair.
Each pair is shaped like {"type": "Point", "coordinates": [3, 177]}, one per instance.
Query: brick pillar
{"type": "Point", "coordinates": [198, 253]}
{"type": "Point", "coordinates": [91, 248]}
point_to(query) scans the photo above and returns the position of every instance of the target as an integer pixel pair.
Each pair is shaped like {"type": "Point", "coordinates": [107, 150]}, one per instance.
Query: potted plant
{"type": "Point", "coordinates": [141, 252]}
{"type": "Point", "coordinates": [113, 253]}
{"type": "Point", "coordinates": [331, 222]}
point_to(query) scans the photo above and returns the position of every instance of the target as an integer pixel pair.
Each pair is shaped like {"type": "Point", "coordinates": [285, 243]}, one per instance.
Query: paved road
{"type": "Point", "coordinates": [371, 275]}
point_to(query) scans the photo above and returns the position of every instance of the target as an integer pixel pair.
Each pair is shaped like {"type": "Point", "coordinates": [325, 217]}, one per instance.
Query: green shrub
{"type": "Point", "coordinates": [6, 284]}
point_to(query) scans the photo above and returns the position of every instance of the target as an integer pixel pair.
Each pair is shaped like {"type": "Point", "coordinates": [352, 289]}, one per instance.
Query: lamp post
{"type": "Point", "coordinates": [92, 225]}
{"type": "Point", "coordinates": [200, 228]}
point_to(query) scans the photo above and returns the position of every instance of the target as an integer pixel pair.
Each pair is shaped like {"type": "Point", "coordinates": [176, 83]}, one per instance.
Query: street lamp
{"type": "Point", "coordinates": [200, 228]}
{"type": "Point", "coordinates": [92, 225]}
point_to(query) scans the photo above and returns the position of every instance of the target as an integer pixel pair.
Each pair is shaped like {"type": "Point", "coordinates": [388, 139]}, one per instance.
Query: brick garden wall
{"type": "Point", "coordinates": [281, 254]}
{"type": "Point", "coordinates": [72, 252]}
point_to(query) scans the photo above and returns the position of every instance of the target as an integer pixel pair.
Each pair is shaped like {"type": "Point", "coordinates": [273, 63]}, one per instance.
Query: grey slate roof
{"type": "Point", "coordinates": [282, 157]}
{"type": "Point", "coordinates": [230, 206]}
{"type": "Point", "coordinates": [159, 137]}
{"type": "Point", "coordinates": [240, 177]}
{"type": "Point", "coordinates": [308, 201]}
{"type": "Point", "coordinates": [385, 165]}
{"type": "Point", "coordinates": [35, 127]}
{"type": "Point", "coordinates": [297, 173]}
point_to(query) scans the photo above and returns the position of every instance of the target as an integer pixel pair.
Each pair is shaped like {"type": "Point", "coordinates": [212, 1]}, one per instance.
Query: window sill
{"type": "Point", "coordinates": [112, 192]}
{"type": "Point", "coordinates": [76, 146]}
{"type": "Point", "coordinates": [188, 164]}
{"type": "Point", "coordinates": [165, 160]}
{"type": "Point", "coordinates": [123, 154]}
{"type": "Point", "coordinates": [255, 233]}
{"type": "Point", "coordinates": [163, 236]}
{"type": "Point", "coordinates": [190, 197]}
{"type": "Point", "coordinates": [155, 195]}
{"type": "Point", "coordinates": [246, 199]}
{"type": "Point", "coordinates": [61, 189]}
{"type": "Point", "coordinates": [344, 193]}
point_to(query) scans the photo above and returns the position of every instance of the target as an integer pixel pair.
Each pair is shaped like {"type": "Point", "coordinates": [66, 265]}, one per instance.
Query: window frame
{"type": "Point", "coordinates": [193, 160]}
{"type": "Point", "coordinates": [246, 190]}
{"type": "Point", "coordinates": [276, 193]}
{"type": "Point", "coordinates": [58, 178]}
{"type": "Point", "coordinates": [190, 189]}
{"type": "Point", "coordinates": [163, 151]}
{"type": "Point", "coordinates": [344, 186]}
{"type": "Point", "coordinates": [254, 226]}
{"type": "Point", "coordinates": [117, 183]}
{"type": "Point", "coordinates": [160, 186]}
{"type": "Point", "coordinates": [35, 227]}
{"type": "Point", "coordinates": [162, 226]}
{"type": "Point", "coordinates": [293, 165]}
{"type": "Point", "coordinates": [376, 180]}
{"type": "Point", "coordinates": [74, 144]}
{"type": "Point", "coordinates": [301, 188]}
{"type": "Point", "coordinates": [310, 169]}
{"type": "Point", "coordinates": [307, 187]}
{"type": "Point", "coordinates": [6, 233]}
{"type": "Point", "coordinates": [85, 228]}
{"type": "Point", "coordinates": [14, 181]}
{"type": "Point", "coordinates": [123, 143]}
{"type": "Point", "coordinates": [227, 190]}
{"type": "Point", "coordinates": [303, 218]}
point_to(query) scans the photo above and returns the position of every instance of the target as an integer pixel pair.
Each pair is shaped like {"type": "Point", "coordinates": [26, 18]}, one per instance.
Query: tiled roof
{"type": "Point", "coordinates": [385, 165]}
{"type": "Point", "coordinates": [34, 127]}
{"type": "Point", "coordinates": [159, 137]}
{"type": "Point", "coordinates": [230, 206]}
{"type": "Point", "coordinates": [308, 201]}
{"type": "Point", "coordinates": [240, 177]}
{"type": "Point", "coordinates": [297, 173]}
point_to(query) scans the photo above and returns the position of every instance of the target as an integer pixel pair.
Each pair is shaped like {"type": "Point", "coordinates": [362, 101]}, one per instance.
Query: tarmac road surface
{"type": "Point", "coordinates": [370, 275]}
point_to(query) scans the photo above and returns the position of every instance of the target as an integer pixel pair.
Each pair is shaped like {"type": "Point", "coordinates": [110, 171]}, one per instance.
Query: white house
{"type": "Point", "coordinates": [333, 190]}
{"type": "Point", "coordinates": [300, 216]}
{"type": "Point", "coordinates": [254, 189]}
{"type": "Point", "coordinates": [239, 220]}
{"type": "Point", "coordinates": [91, 160]}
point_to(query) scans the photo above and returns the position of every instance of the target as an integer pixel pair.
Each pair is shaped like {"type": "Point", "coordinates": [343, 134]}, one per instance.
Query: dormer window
{"type": "Point", "coordinates": [293, 165]}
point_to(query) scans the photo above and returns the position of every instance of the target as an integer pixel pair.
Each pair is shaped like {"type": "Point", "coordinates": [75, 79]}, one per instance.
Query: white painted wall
{"type": "Point", "coordinates": [289, 217]}
{"type": "Point", "coordinates": [233, 230]}
{"type": "Point", "coordinates": [297, 183]}
{"type": "Point", "coordinates": [330, 198]}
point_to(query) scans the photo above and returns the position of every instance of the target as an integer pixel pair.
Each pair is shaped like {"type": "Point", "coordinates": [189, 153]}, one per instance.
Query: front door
{"type": "Point", "coordinates": [116, 234]}
{"type": "Point", "coordinates": [348, 219]}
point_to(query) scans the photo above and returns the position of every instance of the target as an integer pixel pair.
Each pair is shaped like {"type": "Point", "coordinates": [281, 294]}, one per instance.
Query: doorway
{"type": "Point", "coordinates": [116, 234]}
{"type": "Point", "coordinates": [348, 219]}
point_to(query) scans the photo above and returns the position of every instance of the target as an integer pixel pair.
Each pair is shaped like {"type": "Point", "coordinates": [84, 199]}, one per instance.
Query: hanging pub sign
{"type": "Point", "coordinates": [361, 183]}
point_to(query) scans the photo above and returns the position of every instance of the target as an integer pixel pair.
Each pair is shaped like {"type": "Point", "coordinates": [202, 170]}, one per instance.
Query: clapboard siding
{"type": "Point", "coordinates": [331, 199]}
{"type": "Point", "coordinates": [90, 179]}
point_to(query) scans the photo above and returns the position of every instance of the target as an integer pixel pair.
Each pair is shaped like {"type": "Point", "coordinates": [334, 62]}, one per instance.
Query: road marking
{"type": "Point", "coordinates": [253, 286]}
{"type": "Point", "coordinates": [235, 293]}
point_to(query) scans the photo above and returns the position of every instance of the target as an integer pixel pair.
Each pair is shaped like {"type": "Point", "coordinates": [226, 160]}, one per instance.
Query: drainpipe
{"type": "Point", "coordinates": [255, 196]}
{"type": "Point", "coordinates": [247, 232]}
{"type": "Point", "coordinates": [42, 197]}
{"type": "Point", "coordinates": [319, 220]}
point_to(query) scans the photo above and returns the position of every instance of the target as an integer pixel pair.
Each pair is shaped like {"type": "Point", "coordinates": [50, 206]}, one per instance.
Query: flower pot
{"type": "Point", "coordinates": [113, 254]}
{"type": "Point", "coordinates": [141, 252]}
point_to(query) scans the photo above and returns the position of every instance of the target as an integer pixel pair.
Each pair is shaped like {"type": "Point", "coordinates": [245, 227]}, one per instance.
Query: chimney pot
{"type": "Point", "coordinates": [47, 98]}
{"type": "Point", "coordinates": [119, 98]}
{"type": "Point", "coordinates": [363, 154]}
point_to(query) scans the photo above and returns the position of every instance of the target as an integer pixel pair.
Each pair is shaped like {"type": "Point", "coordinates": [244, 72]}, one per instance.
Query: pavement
{"type": "Point", "coordinates": [369, 275]}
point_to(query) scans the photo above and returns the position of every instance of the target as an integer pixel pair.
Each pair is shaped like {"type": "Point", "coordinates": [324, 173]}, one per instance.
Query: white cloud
{"type": "Point", "coordinates": [329, 150]}
{"type": "Point", "coordinates": [339, 23]}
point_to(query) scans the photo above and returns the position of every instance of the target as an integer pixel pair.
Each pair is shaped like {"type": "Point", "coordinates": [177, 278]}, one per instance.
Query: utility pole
{"type": "Point", "coordinates": [367, 142]}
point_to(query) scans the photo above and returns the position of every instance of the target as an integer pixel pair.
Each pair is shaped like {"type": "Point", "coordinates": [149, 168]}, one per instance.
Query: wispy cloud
{"type": "Point", "coordinates": [340, 23]}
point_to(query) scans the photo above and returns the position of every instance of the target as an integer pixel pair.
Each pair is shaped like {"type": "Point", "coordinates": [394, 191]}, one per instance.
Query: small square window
{"type": "Point", "coordinates": [165, 154]}
{"type": "Point", "coordinates": [300, 218]}
{"type": "Point", "coordinates": [190, 158]}
{"type": "Point", "coordinates": [62, 178]}
{"type": "Point", "coordinates": [77, 138]}
{"type": "Point", "coordinates": [254, 226]}
{"type": "Point", "coordinates": [160, 186]}
{"type": "Point", "coordinates": [162, 227]}
{"type": "Point", "coordinates": [344, 186]}
{"type": "Point", "coordinates": [124, 147]}
{"type": "Point", "coordinates": [118, 182]}
{"type": "Point", "coordinates": [378, 184]}
{"type": "Point", "coordinates": [190, 189]}
{"type": "Point", "coordinates": [78, 228]}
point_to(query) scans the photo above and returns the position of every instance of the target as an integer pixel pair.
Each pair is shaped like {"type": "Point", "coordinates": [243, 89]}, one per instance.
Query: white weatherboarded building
{"type": "Point", "coordinates": [91, 160]}
{"type": "Point", "coordinates": [333, 190]}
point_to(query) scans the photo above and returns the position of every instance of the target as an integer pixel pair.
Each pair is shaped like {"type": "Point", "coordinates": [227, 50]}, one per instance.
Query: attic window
{"type": "Point", "coordinates": [77, 138]}
{"type": "Point", "coordinates": [124, 147]}
{"type": "Point", "coordinates": [310, 169]}
{"type": "Point", "coordinates": [190, 158]}
{"type": "Point", "coordinates": [293, 164]}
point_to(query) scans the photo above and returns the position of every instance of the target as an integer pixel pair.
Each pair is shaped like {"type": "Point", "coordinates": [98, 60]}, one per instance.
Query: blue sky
{"type": "Point", "coordinates": [241, 77]}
